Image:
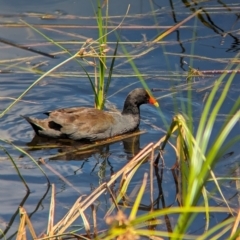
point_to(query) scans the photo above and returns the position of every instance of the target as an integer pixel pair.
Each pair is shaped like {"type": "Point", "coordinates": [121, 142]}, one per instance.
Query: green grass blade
{"type": "Point", "coordinates": [64, 49]}
{"type": "Point", "coordinates": [138, 198]}
{"type": "Point", "coordinates": [16, 168]}
{"type": "Point", "coordinates": [27, 154]}
{"type": "Point", "coordinates": [34, 83]}
{"type": "Point", "coordinates": [111, 69]}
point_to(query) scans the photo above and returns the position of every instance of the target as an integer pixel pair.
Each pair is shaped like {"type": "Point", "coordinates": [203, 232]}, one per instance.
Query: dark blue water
{"type": "Point", "coordinates": [210, 41]}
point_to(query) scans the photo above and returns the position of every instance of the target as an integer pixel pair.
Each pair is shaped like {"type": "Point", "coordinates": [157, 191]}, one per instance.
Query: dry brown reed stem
{"type": "Point", "coordinates": [72, 26]}
{"type": "Point", "coordinates": [176, 26]}
{"type": "Point", "coordinates": [51, 212]}
{"type": "Point", "coordinates": [68, 218]}
{"type": "Point", "coordinates": [24, 221]}
{"type": "Point", "coordinates": [58, 174]}
{"type": "Point", "coordinates": [113, 197]}
{"type": "Point", "coordinates": [85, 221]}
{"type": "Point", "coordinates": [11, 98]}
{"type": "Point", "coordinates": [236, 224]}
{"type": "Point", "coordinates": [151, 178]}
{"type": "Point", "coordinates": [81, 205]}
{"type": "Point", "coordinates": [195, 56]}
{"type": "Point", "coordinates": [94, 216]}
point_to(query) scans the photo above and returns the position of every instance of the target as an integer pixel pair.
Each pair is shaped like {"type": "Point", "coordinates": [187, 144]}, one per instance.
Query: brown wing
{"type": "Point", "coordinates": [83, 122]}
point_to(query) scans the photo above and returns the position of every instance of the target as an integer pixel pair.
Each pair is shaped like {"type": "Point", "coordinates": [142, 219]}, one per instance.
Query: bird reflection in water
{"type": "Point", "coordinates": [76, 150]}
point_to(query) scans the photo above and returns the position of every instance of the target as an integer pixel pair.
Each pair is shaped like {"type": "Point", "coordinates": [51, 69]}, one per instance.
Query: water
{"type": "Point", "coordinates": [162, 68]}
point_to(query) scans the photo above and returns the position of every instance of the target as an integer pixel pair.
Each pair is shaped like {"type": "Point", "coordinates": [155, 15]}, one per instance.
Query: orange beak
{"type": "Point", "coordinates": [153, 101]}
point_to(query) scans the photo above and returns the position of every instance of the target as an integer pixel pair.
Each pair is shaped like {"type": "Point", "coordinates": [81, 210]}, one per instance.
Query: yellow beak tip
{"type": "Point", "coordinates": [156, 104]}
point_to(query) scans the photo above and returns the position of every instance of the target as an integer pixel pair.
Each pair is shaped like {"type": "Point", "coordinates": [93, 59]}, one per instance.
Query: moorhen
{"type": "Point", "coordinates": [82, 123]}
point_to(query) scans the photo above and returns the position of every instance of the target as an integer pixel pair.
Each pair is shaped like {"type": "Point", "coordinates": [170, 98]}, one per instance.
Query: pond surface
{"type": "Point", "coordinates": [208, 43]}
